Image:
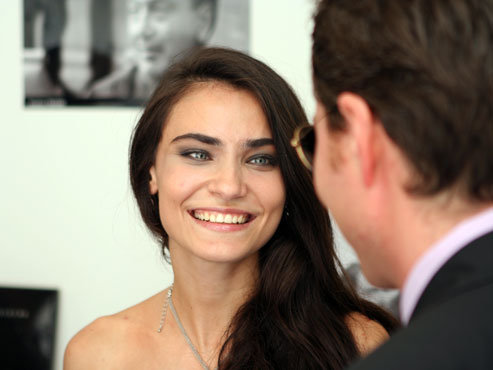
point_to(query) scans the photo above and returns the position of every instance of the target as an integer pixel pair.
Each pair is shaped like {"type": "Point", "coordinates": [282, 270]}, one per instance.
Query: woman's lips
{"type": "Point", "coordinates": [221, 217]}
{"type": "Point", "coordinates": [227, 220]}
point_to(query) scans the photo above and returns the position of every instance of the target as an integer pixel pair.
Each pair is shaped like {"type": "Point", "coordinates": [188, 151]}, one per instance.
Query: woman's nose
{"type": "Point", "coordinates": [228, 182]}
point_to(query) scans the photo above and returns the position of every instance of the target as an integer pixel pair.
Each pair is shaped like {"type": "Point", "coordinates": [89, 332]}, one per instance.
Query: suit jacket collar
{"type": "Point", "coordinates": [471, 267]}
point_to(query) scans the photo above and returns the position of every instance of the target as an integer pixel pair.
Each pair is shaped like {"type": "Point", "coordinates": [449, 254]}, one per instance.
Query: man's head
{"type": "Point", "coordinates": [162, 29]}
{"type": "Point", "coordinates": [420, 74]}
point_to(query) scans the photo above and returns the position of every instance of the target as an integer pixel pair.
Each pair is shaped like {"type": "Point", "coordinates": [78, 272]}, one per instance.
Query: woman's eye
{"type": "Point", "coordinates": [200, 156]}
{"type": "Point", "coordinates": [263, 160]}
{"type": "Point", "coordinates": [196, 155]}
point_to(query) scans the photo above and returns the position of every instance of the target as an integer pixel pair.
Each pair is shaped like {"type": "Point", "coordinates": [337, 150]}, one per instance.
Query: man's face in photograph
{"type": "Point", "coordinates": [161, 29]}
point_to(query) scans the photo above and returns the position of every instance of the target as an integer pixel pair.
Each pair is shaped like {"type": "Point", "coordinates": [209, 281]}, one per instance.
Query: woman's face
{"type": "Point", "coordinates": [220, 189]}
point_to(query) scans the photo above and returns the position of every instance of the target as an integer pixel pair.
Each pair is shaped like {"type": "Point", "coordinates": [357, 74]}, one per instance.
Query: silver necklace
{"type": "Point", "coordinates": [165, 310]}
{"type": "Point", "coordinates": [169, 303]}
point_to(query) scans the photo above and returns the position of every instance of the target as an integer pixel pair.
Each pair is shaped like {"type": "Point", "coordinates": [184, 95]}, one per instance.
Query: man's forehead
{"type": "Point", "coordinates": [156, 2]}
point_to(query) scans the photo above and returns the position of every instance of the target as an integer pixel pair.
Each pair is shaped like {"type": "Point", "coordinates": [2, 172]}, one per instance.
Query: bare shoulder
{"type": "Point", "coordinates": [367, 333]}
{"type": "Point", "coordinates": [106, 343]}
{"type": "Point", "coordinates": [91, 348]}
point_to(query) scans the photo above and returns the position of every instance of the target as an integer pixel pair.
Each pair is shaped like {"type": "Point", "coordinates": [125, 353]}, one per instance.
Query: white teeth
{"type": "Point", "coordinates": [220, 218]}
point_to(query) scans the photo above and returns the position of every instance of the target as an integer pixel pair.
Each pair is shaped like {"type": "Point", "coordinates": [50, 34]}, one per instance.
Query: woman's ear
{"type": "Point", "coordinates": [153, 181]}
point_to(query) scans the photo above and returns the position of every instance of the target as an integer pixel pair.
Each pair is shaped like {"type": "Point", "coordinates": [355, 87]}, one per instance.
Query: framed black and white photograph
{"type": "Point", "coordinates": [114, 52]}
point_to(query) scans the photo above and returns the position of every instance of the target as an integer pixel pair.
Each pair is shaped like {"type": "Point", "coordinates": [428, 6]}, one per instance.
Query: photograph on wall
{"type": "Point", "coordinates": [27, 328]}
{"type": "Point", "coordinates": [114, 52]}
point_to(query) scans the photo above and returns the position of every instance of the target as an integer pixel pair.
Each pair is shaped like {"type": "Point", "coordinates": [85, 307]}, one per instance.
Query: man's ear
{"type": "Point", "coordinates": [205, 16]}
{"type": "Point", "coordinates": [361, 126]}
{"type": "Point", "coordinates": [153, 181]}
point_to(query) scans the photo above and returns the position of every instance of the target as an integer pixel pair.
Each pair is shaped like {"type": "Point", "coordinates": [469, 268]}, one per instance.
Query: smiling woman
{"type": "Point", "coordinates": [216, 162]}
{"type": "Point", "coordinates": [256, 281]}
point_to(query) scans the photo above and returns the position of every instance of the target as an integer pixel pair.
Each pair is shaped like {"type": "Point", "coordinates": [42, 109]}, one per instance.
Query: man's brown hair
{"type": "Point", "coordinates": [425, 67]}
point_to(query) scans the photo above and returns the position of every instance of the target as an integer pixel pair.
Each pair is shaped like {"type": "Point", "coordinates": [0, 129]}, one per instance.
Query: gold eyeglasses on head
{"type": "Point", "coordinates": [304, 142]}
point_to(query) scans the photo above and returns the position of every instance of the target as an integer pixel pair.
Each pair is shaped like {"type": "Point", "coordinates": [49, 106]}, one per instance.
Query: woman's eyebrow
{"type": "Point", "coordinates": [199, 137]}
{"type": "Point", "coordinates": [209, 140]}
{"type": "Point", "coordinates": [257, 143]}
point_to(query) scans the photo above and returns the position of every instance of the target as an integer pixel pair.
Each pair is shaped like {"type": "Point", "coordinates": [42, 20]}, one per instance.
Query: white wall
{"type": "Point", "coordinates": [67, 217]}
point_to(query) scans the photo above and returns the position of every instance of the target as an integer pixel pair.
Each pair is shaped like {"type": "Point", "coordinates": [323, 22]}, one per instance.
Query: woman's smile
{"type": "Point", "coordinates": [222, 217]}
{"type": "Point", "coordinates": [228, 220]}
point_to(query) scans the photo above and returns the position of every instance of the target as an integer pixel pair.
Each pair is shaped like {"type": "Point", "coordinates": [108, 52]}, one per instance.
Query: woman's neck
{"type": "Point", "coordinates": [207, 295]}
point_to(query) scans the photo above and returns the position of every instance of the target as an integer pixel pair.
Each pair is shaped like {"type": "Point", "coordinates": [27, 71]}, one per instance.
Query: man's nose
{"type": "Point", "coordinates": [144, 23]}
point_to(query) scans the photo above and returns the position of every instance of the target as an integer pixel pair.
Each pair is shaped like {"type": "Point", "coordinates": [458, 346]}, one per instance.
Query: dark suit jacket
{"type": "Point", "coordinates": [452, 325]}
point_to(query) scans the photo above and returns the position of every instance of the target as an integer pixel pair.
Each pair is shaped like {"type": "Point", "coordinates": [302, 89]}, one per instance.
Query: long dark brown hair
{"type": "Point", "coordinates": [295, 318]}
